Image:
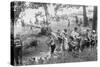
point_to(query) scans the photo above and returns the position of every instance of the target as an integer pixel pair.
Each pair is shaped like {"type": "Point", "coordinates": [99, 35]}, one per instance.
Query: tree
{"type": "Point", "coordinates": [85, 16]}
{"type": "Point", "coordinates": [46, 13]}
{"type": "Point", "coordinates": [44, 5]}
{"type": "Point", "coordinates": [94, 25]}
{"type": "Point", "coordinates": [57, 8]}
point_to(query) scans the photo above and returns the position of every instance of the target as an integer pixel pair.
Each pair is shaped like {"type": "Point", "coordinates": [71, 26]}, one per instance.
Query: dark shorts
{"type": "Point", "coordinates": [53, 48]}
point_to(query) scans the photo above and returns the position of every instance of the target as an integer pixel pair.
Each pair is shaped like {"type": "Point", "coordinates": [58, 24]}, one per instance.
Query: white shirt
{"type": "Point", "coordinates": [74, 34]}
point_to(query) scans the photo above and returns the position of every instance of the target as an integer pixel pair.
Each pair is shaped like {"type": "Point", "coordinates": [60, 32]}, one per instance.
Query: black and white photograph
{"type": "Point", "coordinates": [52, 33]}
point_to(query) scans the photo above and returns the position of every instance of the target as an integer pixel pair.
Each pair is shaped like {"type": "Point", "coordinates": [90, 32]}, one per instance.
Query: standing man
{"type": "Point", "coordinates": [76, 39]}
{"type": "Point", "coordinates": [18, 50]}
{"type": "Point", "coordinates": [60, 40]}
{"type": "Point", "coordinates": [65, 39]}
{"type": "Point", "coordinates": [52, 44]}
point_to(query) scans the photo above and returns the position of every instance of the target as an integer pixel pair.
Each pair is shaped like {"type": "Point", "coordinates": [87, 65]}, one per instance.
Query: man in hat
{"type": "Point", "coordinates": [18, 50]}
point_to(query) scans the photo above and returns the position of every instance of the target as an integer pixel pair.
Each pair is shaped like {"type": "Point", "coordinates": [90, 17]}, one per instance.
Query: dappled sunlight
{"type": "Point", "coordinates": [48, 33]}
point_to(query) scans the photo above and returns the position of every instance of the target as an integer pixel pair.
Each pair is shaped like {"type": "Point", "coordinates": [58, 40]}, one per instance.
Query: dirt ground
{"type": "Point", "coordinates": [89, 54]}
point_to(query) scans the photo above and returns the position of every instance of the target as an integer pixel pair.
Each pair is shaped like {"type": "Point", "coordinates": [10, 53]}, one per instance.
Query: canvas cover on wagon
{"type": "Point", "coordinates": [50, 33]}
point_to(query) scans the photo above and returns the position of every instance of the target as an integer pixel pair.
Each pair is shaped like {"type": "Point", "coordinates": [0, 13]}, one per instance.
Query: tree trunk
{"type": "Point", "coordinates": [46, 13]}
{"type": "Point", "coordinates": [84, 17]}
{"type": "Point", "coordinates": [94, 25]}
